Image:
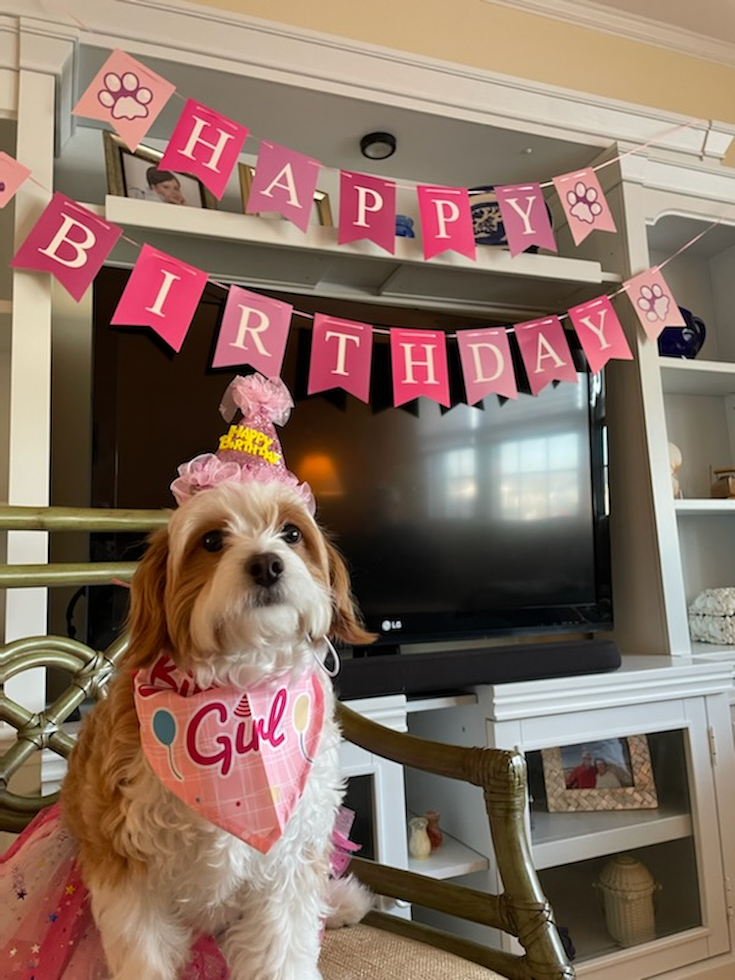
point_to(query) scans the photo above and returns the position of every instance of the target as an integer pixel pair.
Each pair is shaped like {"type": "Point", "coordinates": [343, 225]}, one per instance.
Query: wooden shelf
{"type": "Point", "coordinates": [561, 838]}
{"type": "Point", "coordinates": [684, 376]}
{"type": "Point", "coordinates": [275, 254]}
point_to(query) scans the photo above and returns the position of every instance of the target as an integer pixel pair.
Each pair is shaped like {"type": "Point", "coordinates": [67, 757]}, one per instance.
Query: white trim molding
{"type": "Point", "coordinates": [634, 27]}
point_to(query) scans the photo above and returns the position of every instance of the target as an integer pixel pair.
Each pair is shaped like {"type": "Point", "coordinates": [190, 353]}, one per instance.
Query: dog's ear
{"type": "Point", "coordinates": [147, 616]}
{"type": "Point", "coordinates": [346, 625]}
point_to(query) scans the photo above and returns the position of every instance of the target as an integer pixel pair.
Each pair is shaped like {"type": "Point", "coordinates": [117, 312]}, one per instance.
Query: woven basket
{"type": "Point", "coordinates": [627, 889]}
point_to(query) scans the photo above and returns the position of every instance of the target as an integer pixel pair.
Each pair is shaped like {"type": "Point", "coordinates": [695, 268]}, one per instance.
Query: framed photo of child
{"type": "Point", "coordinates": [603, 774]}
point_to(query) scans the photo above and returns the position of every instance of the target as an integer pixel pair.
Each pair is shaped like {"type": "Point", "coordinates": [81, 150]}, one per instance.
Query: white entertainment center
{"type": "Point", "coordinates": [665, 550]}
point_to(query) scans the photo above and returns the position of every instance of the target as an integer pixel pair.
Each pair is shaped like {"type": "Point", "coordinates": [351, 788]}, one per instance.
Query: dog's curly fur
{"type": "Point", "coordinates": [158, 873]}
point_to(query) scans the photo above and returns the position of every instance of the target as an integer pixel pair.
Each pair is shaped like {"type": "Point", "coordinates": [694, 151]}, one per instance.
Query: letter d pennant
{"type": "Point", "coordinates": [162, 293]}
{"type": "Point", "coordinates": [70, 242]}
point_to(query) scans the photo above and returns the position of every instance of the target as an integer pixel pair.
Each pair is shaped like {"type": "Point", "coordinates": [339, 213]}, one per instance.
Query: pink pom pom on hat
{"type": "Point", "coordinates": [250, 450]}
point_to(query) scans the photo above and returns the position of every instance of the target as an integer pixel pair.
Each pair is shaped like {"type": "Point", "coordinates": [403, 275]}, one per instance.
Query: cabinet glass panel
{"type": "Point", "coordinates": [617, 871]}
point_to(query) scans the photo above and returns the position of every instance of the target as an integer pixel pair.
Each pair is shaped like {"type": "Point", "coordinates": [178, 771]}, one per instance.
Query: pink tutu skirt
{"type": "Point", "coordinates": [46, 926]}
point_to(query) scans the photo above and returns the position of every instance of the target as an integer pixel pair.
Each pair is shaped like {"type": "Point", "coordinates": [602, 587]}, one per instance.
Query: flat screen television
{"type": "Point", "coordinates": [469, 532]}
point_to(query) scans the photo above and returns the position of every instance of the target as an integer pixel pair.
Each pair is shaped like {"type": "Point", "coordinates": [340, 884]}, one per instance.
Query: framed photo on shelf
{"type": "Point", "coordinates": [137, 175]}
{"type": "Point", "coordinates": [607, 774]}
{"type": "Point", "coordinates": [321, 212]}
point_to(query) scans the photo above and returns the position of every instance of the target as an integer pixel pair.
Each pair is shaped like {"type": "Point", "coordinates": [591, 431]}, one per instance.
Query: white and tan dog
{"type": "Point", "coordinates": [241, 587]}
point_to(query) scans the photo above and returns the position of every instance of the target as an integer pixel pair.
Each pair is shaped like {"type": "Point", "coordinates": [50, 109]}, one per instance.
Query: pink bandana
{"type": "Point", "coordinates": [239, 758]}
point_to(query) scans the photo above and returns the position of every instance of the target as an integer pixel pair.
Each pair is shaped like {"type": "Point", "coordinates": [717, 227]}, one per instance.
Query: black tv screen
{"type": "Point", "coordinates": [457, 525]}
{"type": "Point", "coordinates": [478, 521]}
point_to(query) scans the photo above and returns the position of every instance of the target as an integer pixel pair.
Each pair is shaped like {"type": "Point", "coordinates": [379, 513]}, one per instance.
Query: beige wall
{"type": "Point", "coordinates": [500, 39]}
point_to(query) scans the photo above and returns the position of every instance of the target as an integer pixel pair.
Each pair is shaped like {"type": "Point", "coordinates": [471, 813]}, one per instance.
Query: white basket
{"type": "Point", "coordinates": [627, 889]}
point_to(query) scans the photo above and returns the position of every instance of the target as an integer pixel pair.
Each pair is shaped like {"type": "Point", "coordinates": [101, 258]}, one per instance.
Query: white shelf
{"type": "Point", "coordinates": [562, 838]}
{"type": "Point", "coordinates": [704, 505]}
{"type": "Point", "coordinates": [451, 860]}
{"type": "Point", "coordinates": [684, 376]}
{"type": "Point", "coordinates": [277, 255]}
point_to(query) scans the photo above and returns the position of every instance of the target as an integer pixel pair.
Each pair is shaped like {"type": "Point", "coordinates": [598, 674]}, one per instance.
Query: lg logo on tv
{"type": "Point", "coordinates": [391, 624]}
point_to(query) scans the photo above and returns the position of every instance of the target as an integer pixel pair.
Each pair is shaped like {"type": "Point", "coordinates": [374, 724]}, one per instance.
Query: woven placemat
{"type": "Point", "coordinates": [365, 953]}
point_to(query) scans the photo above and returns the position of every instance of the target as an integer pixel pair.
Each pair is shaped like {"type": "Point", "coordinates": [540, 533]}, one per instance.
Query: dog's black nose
{"type": "Point", "coordinates": [265, 569]}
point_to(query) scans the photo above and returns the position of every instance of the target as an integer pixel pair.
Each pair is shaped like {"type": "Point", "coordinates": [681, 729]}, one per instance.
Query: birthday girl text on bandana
{"type": "Point", "coordinates": [241, 758]}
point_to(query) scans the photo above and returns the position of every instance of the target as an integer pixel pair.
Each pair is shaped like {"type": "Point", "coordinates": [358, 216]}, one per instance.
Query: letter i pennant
{"type": "Point", "coordinates": [162, 293]}
{"type": "Point", "coordinates": [70, 242]}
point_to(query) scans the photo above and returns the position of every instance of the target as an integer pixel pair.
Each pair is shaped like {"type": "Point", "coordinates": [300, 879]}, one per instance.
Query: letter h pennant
{"type": "Point", "coordinates": [206, 145]}
{"type": "Point", "coordinates": [70, 242]}
{"type": "Point", "coordinates": [419, 365]}
{"type": "Point", "coordinates": [162, 293]}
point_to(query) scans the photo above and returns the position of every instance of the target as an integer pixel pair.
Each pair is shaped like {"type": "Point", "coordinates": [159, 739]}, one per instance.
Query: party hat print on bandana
{"type": "Point", "coordinates": [240, 758]}
{"type": "Point", "coordinates": [250, 449]}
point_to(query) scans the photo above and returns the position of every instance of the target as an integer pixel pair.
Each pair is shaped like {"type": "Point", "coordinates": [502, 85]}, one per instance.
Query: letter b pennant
{"type": "Point", "coordinates": [70, 242]}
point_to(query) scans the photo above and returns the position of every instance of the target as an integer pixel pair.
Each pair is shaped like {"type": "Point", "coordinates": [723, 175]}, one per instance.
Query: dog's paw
{"type": "Point", "coordinates": [349, 901]}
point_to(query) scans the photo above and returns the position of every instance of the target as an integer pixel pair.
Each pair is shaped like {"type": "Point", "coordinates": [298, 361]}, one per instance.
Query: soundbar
{"type": "Point", "coordinates": [451, 670]}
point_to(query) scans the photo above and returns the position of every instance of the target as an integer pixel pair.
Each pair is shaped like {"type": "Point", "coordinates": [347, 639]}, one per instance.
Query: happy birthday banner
{"type": "Point", "coordinates": [162, 292]}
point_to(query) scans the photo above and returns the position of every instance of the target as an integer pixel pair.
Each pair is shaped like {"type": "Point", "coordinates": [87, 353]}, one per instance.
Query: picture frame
{"type": "Point", "coordinates": [321, 210]}
{"type": "Point", "coordinates": [600, 774]}
{"type": "Point", "coordinates": [128, 176]}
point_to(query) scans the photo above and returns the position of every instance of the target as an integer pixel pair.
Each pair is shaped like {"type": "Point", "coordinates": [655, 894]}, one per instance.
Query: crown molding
{"type": "Point", "coordinates": [634, 27]}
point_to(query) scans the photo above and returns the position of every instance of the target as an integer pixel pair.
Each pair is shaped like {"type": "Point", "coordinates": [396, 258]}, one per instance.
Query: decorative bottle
{"type": "Point", "coordinates": [419, 845]}
{"type": "Point", "coordinates": [433, 829]}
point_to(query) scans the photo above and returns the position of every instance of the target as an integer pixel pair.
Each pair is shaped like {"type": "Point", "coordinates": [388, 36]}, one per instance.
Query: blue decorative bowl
{"type": "Point", "coordinates": [683, 341]}
{"type": "Point", "coordinates": [404, 226]}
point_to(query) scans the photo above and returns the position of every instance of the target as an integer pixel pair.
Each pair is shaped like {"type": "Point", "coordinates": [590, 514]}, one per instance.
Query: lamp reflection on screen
{"type": "Point", "coordinates": [319, 471]}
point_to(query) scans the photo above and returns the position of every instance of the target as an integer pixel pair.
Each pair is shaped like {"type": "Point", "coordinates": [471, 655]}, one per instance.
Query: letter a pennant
{"type": "Point", "coordinates": [162, 293]}
{"type": "Point", "coordinates": [70, 242]}
{"type": "Point", "coordinates": [545, 352]}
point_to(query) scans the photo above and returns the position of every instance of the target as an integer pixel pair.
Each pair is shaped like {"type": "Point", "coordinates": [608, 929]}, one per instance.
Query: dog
{"type": "Point", "coordinates": [238, 591]}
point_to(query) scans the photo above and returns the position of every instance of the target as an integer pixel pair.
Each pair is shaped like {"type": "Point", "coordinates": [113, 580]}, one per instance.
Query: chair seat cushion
{"type": "Point", "coordinates": [365, 953]}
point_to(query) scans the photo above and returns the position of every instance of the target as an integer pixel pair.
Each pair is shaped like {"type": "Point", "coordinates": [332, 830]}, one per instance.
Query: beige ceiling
{"type": "Point", "coordinates": [711, 18]}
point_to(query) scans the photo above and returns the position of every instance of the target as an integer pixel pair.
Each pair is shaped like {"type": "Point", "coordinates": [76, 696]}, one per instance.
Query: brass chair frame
{"type": "Point", "coordinates": [521, 910]}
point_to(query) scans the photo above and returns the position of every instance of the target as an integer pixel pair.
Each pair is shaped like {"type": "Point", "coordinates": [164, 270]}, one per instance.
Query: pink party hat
{"type": "Point", "coordinates": [250, 449]}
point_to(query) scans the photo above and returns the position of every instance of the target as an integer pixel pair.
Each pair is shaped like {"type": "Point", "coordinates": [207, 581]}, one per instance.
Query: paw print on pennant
{"type": "Point", "coordinates": [583, 203]}
{"type": "Point", "coordinates": [124, 96]}
{"type": "Point", "coordinates": [653, 302]}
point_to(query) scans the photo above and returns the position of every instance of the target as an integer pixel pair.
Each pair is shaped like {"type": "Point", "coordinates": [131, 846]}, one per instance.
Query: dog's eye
{"type": "Point", "coordinates": [291, 534]}
{"type": "Point", "coordinates": [213, 541]}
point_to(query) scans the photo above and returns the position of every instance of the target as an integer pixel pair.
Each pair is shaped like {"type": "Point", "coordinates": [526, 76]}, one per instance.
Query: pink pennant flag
{"type": "Point", "coordinates": [162, 293]}
{"type": "Point", "coordinates": [653, 302]}
{"type": "Point", "coordinates": [545, 352]}
{"type": "Point", "coordinates": [419, 362]}
{"type": "Point", "coordinates": [525, 217]}
{"type": "Point", "coordinates": [70, 242]}
{"type": "Point", "coordinates": [284, 181]}
{"type": "Point", "coordinates": [341, 356]}
{"type": "Point", "coordinates": [584, 204]}
{"type": "Point", "coordinates": [254, 331]}
{"type": "Point", "coordinates": [487, 364]}
{"type": "Point", "coordinates": [600, 333]}
{"type": "Point", "coordinates": [127, 95]}
{"type": "Point", "coordinates": [367, 209]}
{"type": "Point", "coordinates": [205, 144]}
{"type": "Point", "coordinates": [446, 221]}
{"type": "Point", "coordinates": [12, 176]}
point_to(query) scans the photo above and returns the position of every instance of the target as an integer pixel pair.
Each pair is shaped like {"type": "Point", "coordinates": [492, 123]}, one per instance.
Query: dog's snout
{"type": "Point", "coordinates": [266, 569]}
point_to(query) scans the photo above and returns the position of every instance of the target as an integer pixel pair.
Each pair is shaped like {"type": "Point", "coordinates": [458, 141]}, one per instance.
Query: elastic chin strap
{"type": "Point", "coordinates": [336, 663]}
